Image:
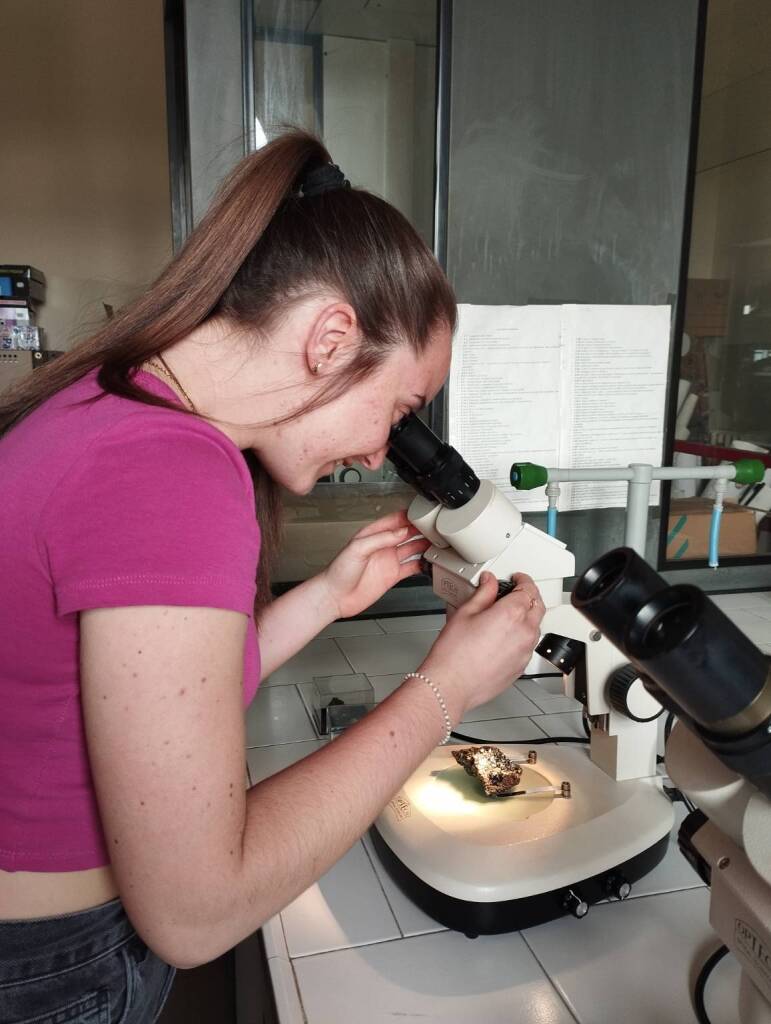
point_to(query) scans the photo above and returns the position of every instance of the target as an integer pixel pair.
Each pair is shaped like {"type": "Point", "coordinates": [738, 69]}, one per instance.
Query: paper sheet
{"type": "Point", "coordinates": [568, 386]}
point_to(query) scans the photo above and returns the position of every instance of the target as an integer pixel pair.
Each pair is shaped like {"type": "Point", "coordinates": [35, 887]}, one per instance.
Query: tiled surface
{"type": "Point", "coordinates": [277, 715]}
{"type": "Point", "coordinates": [442, 978]}
{"type": "Point", "coordinates": [266, 761]}
{"type": "Point", "coordinates": [566, 724]}
{"type": "Point", "coordinates": [547, 695]}
{"type": "Point", "coordinates": [410, 918]}
{"type": "Point", "coordinates": [633, 962]}
{"type": "Point", "coordinates": [319, 658]}
{"type": "Point", "coordinates": [412, 623]}
{"type": "Point", "coordinates": [346, 907]}
{"type": "Point", "coordinates": [384, 655]}
{"type": "Point", "coordinates": [509, 704]}
{"type": "Point", "coordinates": [358, 949]}
{"type": "Point", "coordinates": [352, 627]}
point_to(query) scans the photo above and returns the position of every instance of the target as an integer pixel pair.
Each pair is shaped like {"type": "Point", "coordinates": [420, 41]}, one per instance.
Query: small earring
{"type": "Point", "coordinates": [317, 367]}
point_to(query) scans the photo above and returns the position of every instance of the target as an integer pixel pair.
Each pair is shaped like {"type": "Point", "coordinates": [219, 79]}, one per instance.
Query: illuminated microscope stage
{"type": "Point", "coordinates": [484, 864]}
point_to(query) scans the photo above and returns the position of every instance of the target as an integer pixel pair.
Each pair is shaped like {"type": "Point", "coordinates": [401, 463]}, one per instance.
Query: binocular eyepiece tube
{"type": "Point", "coordinates": [433, 468]}
{"type": "Point", "coordinates": [704, 667]}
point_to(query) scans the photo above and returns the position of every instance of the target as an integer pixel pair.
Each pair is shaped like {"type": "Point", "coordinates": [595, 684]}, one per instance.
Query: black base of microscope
{"type": "Point", "coordinates": [475, 919]}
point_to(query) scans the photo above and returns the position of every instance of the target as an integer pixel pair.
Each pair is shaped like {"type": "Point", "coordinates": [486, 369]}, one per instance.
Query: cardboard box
{"type": "Point", "coordinates": [688, 530]}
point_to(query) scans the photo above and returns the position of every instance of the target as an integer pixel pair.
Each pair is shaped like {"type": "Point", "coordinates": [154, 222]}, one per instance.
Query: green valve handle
{"type": "Point", "coordinates": [749, 471]}
{"type": "Point", "coordinates": [526, 475]}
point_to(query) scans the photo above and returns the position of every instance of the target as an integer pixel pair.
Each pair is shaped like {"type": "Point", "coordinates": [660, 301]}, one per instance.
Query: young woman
{"type": "Point", "coordinates": [300, 322]}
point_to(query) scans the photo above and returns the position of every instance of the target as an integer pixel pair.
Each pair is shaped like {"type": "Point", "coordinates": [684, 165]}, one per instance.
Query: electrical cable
{"type": "Point", "coordinates": [701, 984]}
{"type": "Point", "coordinates": [521, 743]}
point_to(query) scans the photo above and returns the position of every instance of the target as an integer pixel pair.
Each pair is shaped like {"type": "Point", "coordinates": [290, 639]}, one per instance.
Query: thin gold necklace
{"type": "Point", "coordinates": [167, 371]}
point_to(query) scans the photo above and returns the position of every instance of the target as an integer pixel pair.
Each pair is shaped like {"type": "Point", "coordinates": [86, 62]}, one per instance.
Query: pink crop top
{"type": "Point", "coordinates": [104, 504]}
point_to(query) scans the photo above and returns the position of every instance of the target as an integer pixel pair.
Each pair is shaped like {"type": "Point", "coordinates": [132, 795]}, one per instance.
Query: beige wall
{"type": "Point", "coordinates": [84, 162]}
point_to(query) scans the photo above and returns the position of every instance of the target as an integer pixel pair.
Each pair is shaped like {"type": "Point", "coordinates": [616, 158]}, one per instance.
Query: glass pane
{"type": "Point", "coordinates": [362, 76]}
{"type": "Point", "coordinates": [569, 137]}
{"type": "Point", "coordinates": [724, 398]}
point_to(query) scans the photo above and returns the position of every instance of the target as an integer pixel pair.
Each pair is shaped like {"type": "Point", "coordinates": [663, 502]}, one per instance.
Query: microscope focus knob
{"type": "Point", "coordinates": [628, 696]}
{"type": "Point", "coordinates": [574, 905]}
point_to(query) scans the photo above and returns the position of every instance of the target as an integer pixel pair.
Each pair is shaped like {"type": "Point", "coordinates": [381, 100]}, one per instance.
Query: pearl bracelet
{"type": "Point", "coordinates": [438, 694]}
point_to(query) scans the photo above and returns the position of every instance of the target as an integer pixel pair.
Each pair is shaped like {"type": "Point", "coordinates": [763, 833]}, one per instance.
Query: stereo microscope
{"type": "Point", "coordinates": [629, 648]}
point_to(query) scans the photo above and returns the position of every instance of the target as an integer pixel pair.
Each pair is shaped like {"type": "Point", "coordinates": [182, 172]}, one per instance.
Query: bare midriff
{"type": "Point", "coordinates": [32, 894]}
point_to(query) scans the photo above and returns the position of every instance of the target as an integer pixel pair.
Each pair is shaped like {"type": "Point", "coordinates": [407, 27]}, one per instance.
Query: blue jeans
{"type": "Point", "coordinates": [85, 968]}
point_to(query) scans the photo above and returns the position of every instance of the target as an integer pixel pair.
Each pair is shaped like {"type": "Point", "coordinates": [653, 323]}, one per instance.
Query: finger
{"type": "Point", "coordinates": [485, 595]}
{"type": "Point", "coordinates": [413, 547]}
{"type": "Point", "coordinates": [412, 568]}
{"type": "Point", "coordinates": [525, 585]}
{"type": "Point", "coordinates": [366, 546]}
{"type": "Point", "coordinates": [393, 521]}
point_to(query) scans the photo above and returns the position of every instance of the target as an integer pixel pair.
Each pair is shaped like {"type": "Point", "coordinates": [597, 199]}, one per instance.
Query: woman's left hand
{"type": "Point", "coordinates": [373, 561]}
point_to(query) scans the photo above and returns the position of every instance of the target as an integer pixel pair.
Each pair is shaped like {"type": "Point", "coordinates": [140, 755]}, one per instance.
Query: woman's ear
{"type": "Point", "coordinates": [333, 339]}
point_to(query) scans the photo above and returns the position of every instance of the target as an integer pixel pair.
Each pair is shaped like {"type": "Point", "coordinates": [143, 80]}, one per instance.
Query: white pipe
{"type": "Point", "coordinates": [727, 472]}
{"type": "Point", "coordinates": [611, 473]}
{"type": "Point", "coordinates": [638, 500]}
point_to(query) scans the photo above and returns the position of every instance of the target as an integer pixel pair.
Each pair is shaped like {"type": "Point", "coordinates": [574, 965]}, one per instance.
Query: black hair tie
{"type": "Point", "coordinates": [322, 179]}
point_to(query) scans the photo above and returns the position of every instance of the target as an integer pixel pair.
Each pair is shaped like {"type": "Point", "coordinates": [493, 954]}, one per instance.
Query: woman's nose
{"type": "Point", "coordinates": [376, 459]}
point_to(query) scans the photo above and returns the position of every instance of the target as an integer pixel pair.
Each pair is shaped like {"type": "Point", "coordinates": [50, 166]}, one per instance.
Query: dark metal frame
{"type": "Point", "coordinates": [671, 565]}
{"type": "Point", "coordinates": [177, 121]}
{"type": "Point", "coordinates": [437, 410]}
{"type": "Point", "coordinates": [247, 74]}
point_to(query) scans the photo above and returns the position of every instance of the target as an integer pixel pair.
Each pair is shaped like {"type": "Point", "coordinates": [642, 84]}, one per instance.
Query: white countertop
{"type": "Point", "coordinates": [353, 948]}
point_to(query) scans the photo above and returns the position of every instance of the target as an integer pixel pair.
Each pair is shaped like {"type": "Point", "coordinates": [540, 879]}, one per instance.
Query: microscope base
{"type": "Point", "coordinates": [484, 865]}
{"type": "Point", "coordinates": [475, 919]}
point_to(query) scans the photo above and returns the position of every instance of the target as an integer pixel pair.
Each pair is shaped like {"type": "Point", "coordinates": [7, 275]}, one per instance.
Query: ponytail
{"type": "Point", "coordinates": [187, 291]}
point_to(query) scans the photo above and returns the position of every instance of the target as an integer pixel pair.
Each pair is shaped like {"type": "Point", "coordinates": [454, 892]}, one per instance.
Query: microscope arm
{"type": "Point", "coordinates": [487, 535]}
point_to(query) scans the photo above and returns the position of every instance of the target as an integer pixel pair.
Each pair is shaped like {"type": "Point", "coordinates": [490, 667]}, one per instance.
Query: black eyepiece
{"type": "Point", "coordinates": [433, 468]}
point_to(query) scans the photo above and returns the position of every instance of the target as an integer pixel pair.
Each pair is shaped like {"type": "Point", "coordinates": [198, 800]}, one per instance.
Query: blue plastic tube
{"type": "Point", "coordinates": [551, 521]}
{"type": "Point", "coordinates": [714, 535]}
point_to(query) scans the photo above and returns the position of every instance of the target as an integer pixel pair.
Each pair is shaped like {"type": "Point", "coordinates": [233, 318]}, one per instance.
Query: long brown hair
{"type": "Point", "coordinates": [262, 245]}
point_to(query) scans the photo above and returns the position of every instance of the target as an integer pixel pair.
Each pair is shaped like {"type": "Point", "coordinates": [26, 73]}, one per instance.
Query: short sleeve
{"type": "Point", "coordinates": [159, 509]}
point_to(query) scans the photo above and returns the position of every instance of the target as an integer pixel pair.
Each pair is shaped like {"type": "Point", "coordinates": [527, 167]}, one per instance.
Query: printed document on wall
{"type": "Point", "coordinates": [615, 373]}
{"type": "Point", "coordinates": [572, 386]}
{"type": "Point", "coordinates": [505, 391]}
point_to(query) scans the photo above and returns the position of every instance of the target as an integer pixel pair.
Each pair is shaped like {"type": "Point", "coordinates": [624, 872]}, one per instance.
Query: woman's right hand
{"type": "Point", "coordinates": [486, 644]}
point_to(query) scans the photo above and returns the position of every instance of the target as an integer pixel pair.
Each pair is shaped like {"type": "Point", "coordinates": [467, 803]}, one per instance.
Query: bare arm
{"type": "Point", "coordinates": [375, 559]}
{"type": "Point", "coordinates": [290, 621]}
{"type": "Point", "coordinates": [200, 864]}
